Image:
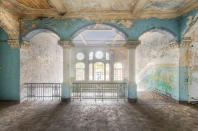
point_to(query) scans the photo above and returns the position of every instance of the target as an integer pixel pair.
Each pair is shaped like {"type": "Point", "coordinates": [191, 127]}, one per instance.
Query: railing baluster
{"type": "Point", "coordinates": [43, 91]}
{"type": "Point", "coordinates": [80, 90]}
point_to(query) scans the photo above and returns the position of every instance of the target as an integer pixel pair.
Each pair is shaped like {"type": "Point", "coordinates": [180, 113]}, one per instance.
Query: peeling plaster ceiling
{"type": "Point", "coordinates": [100, 9]}
{"type": "Point", "coordinates": [38, 4]}
{"type": "Point", "coordinates": [165, 4]}
{"type": "Point", "coordinates": [98, 5]}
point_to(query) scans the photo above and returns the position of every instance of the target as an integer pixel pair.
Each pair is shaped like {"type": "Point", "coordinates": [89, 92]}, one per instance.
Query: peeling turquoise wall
{"type": "Point", "coordinates": [132, 91]}
{"type": "Point", "coordinates": [10, 72]}
{"type": "Point", "coordinates": [183, 73]}
{"type": "Point", "coordinates": [162, 79]}
{"type": "Point", "coordinates": [66, 92]}
{"type": "Point", "coordinates": [66, 28]}
{"type": "Point", "coordinates": [183, 83]}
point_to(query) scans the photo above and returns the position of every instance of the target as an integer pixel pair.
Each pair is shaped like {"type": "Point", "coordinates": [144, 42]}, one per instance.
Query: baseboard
{"type": "Point", "coordinates": [188, 102]}
{"type": "Point", "coordinates": [132, 100]}
{"type": "Point", "coordinates": [66, 100]}
{"type": "Point", "coordinates": [167, 96]}
{"type": "Point", "coordinates": [194, 102]}
{"type": "Point", "coordinates": [11, 101]}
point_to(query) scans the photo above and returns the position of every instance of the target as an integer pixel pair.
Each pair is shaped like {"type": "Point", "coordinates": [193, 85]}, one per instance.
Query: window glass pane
{"type": "Point", "coordinates": [90, 71]}
{"type": "Point", "coordinates": [107, 56]}
{"type": "Point", "coordinates": [118, 71]}
{"type": "Point", "coordinates": [99, 71]}
{"type": "Point", "coordinates": [107, 72]}
{"type": "Point", "coordinates": [91, 54]}
{"type": "Point", "coordinates": [80, 71]}
{"type": "Point", "coordinates": [99, 55]}
{"type": "Point", "coordinates": [80, 56]}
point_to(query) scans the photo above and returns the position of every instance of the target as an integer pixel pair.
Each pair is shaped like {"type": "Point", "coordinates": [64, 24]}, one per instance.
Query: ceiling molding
{"type": "Point", "coordinates": [60, 9]}
{"type": "Point", "coordinates": [187, 7]}
{"type": "Point", "coordinates": [139, 7]}
{"type": "Point", "coordinates": [59, 6]}
{"type": "Point", "coordinates": [83, 39]}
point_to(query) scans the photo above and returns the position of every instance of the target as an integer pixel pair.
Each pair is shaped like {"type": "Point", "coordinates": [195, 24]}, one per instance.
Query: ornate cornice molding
{"type": "Point", "coordinates": [132, 44]}
{"type": "Point", "coordinates": [25, 44]}
{"type": "Point", "coordinates": [186, 42]}
{"type": "Point", "coordinates": [173, 44]}
{"type": "Point", "coordinates": [65, 43]}
{"type": "Point", "coordinates": [14, 43]}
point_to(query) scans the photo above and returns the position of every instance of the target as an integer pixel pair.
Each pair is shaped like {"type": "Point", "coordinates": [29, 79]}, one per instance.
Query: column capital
{"type": "Point", "coordinates": [173, 44]}
{"type": "Point", "coordinates": [14, 43]}
{"type": "Point", "coordinates": [132, 44]}
{"type": "Point", "coordinates": [65, 43]}
{"type": "Point", "coordinates": [186, 42]}
{"type": "Point", "coordinates": [25, 44]}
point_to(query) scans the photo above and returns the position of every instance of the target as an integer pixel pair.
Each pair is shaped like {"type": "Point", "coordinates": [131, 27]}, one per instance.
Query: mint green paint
{"type": "Point", "coordinates": [66, 28]}
{"type": "Point", "coordinates": [66, 91]}
{"type": "Point", "coordinates": [132, 91]}
{"type": "Point", "coordinates": [162, 79]}
{"type": "Point", "coordinates": [10, 72]}
{"type": "Point", "coordinates": [183, 83]}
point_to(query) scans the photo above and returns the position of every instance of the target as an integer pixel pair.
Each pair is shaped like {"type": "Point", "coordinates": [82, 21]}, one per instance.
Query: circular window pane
{"type": "Point", "coordinates": [80, 56]}
{"type": "Point", "coordinates": [99, 55]}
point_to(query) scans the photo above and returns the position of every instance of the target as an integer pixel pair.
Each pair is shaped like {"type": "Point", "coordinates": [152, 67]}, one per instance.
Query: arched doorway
{"type": "Point", "coordinates": [157, 67]}
{"type": "Point", "coordinates": [100, 51]}
{"type": "Point", "coordinates": [41, 67]}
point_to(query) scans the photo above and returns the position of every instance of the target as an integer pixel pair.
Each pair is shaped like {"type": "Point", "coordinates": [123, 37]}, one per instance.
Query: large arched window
{"type": "Point", "coordinates": [118, 72]}
{"type": "Point", "coordinates": [80, 71]}
{"type": "Point", "coordinates": [93, 46]}
{"type": "Point", "coordinates": [99, 71]}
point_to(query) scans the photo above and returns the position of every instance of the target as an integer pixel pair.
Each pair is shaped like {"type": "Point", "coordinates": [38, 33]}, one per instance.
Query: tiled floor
{"type": "Point", "coordinates": [153, 112]}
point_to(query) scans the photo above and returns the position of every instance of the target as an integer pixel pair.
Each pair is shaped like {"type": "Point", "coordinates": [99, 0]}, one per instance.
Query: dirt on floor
{"type": "Point", "coordinates": [152, 112]}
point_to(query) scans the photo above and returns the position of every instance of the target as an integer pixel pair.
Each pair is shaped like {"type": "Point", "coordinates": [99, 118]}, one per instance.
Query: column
{"type": "Point", "coordinates": [24, 49]}
{"type": "Point", "coordinates": [67, 83]}
{"type": "Point", "coordinates": [132, 86]}
{"type": "Point", "coordinates": [184, 61]}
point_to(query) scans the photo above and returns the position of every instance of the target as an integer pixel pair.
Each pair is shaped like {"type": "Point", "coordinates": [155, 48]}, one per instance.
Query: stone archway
{"type": "Point", "coordinates": [41, 61]}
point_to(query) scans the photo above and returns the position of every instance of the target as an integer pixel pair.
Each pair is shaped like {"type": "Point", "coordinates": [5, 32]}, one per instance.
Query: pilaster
{"type": "Point", "coordinates": [184, 63]}
{"type": "Point", "coordinates": [14, 43]}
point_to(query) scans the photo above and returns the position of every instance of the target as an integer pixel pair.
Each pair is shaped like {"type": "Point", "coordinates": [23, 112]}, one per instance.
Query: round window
{"type": "Point", "coordinates": [99, 55]}
{"type": "Point", "coordinates": [80, 56]}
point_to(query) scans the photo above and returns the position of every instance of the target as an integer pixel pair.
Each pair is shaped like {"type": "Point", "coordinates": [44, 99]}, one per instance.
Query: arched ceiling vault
{"type": "Point", "coordinates": [100, 9]}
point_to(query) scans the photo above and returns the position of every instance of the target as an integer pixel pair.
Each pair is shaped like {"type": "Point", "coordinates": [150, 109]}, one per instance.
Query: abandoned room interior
{"type": "Point", "coordinates": [98, 65]}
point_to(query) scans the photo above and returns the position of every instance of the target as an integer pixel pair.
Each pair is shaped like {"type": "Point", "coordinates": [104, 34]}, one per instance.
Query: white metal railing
{"type": "Point", "coordinates": [96, 90]}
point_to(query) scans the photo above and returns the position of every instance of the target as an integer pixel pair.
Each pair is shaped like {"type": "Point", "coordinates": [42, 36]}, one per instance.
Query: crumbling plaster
{"type": "Point", "coordinates": [65, 28]}
{"type": "Point", "coordinates": [42, 62]}
{"type": "Point", "coordinates": [157, 63]}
